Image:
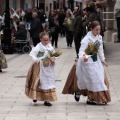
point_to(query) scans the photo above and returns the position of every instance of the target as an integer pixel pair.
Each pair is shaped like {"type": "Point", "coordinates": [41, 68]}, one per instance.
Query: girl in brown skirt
{"type": "Point", "coordinates": [89, 78]}
{"type": "Point", "coordinates": [40, 83]}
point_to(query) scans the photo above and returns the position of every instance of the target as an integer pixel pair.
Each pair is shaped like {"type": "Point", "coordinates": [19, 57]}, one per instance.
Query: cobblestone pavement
{"type": "Point", "coordinates": [14, 105]}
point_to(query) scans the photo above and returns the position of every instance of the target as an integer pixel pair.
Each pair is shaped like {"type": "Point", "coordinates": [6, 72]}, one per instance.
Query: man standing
{"type": "Point", "coordinates": [77, 31]}
{"type": "Point", "coordinates": [61, 21]}
{"type": "Point", "coordinates": [36, 28]}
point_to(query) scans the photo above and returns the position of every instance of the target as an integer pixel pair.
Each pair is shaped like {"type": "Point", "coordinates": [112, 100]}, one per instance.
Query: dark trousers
{"type": "Point", "coordinates": [118, 27]}
{"type": "Point", "coordinates": [69, 38]}
{"type": "Point", "coordinates": [62, 30]}
{"type": "Point", "coordinates": [54, 39]}
{"type": "Point", "coordinates": [77, 41]}
{"type": "Point", "coordinates": [35, 41]}
{"type": "Point", "coordinates": [62, 33]}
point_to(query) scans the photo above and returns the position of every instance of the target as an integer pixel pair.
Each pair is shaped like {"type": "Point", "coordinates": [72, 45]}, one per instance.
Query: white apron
{"type": "Point", "coordinates": [47, 74]}
{"type": "Point", "coordinates": [90, 74]}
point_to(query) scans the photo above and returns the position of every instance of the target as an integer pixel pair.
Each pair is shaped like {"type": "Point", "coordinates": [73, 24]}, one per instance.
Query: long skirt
{"type": "Point", "coordinates": [32, 89]}
{"type": "Point", "coordinates": [71, 87]}
{"type": "Point", "coordinates": [3, 62]}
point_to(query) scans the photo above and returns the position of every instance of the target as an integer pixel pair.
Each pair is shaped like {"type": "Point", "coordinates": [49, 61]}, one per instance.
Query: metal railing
{"type": "Point", "coordinates": [108, 19]}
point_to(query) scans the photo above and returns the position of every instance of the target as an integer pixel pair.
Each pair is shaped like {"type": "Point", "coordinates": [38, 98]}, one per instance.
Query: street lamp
{"type": "Point", "coordinates": [7, 48]}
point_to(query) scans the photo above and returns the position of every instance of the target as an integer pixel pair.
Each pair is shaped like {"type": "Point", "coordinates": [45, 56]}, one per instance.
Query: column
{"type": "Point", "coordinates": [110, 8]}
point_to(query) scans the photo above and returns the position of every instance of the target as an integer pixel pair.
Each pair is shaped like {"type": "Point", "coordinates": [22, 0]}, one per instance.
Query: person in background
{"type": "Point", "coordinates": [91, 15]}
{"type": "Point", "coordinates": [68, 23]}
{"type": "Point", "coordinates": [78, 31]}
{"type": "Point", "coordinates": [99, 10]}
{"type": "Point", "coordinates": [21, 14]}
{"type": "Point", "coordinates": [14, 14]}
{"type": "Point", "coordinates": [42, 16]}
{"type": "Point", "coordinates": [21, 33]}
{"type": "Point", "coordinates": [103, 3]}
{"type": "Point", "coordinates": [117, 16]}
{"type": "Point", "coordinates": [54, 24]}
{"type": "Point", "coordinates": [28, 16]}
{"type": "Point", "coordinates": [75, 11]}
{"type": "Point", "coordinates": [14, 18]}
{"type": "Point", "coordinates": [1, 23]}
{"type": "Point", "coordinates": [61, 21]}
{"type": "Point", "coordinates": [70, 12]}
{"type": "Point", "coordinates": [87, 2]}
{"type": "Point", "coordinates": [51, 19]}
{"type": "Point", "coordinates": [36, 28]}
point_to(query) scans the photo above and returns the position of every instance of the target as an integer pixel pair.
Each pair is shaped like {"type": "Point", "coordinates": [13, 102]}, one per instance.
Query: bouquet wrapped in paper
{"type": "Point", "coordinates": [92, 50]}
{"type": "Point", "coordinates": [55, 53]}
{"type": "Point", "coordinates": [52, 56]}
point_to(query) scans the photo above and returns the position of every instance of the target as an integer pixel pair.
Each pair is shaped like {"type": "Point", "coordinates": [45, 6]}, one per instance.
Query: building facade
{"type": "Point", "coordinates": [46, 5]}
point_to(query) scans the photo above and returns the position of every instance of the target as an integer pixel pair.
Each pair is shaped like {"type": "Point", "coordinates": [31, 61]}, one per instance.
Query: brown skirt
{"type": "Point", "coordinates": [32, 89]}
{"type": "Point", "coordinates": [71, 87]}
{"type": "Point", "coordinates": [3, 62]}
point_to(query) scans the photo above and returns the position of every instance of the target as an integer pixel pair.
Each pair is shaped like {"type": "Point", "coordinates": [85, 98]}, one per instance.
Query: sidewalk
{"type": "Point", "coordinates": [14, 105]}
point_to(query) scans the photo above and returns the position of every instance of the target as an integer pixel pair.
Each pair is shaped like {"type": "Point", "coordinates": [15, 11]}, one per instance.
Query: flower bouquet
{"type": "Point", "coordinates": [55, 53]}
{"type": "Point", "coordinates": [92, 50]}
{"type": "Point", "coordinates": [52, 56]}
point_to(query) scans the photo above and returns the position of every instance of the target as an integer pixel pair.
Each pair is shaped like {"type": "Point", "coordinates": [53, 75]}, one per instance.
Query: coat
{"type": "Point", "coordinates": [36, 28]}
{"type": "Point", "coordinates": [21, 34]}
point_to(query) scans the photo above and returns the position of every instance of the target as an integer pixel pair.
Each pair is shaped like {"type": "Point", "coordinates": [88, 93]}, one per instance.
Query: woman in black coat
{"type": "Point", "coordinates": [54, 28]}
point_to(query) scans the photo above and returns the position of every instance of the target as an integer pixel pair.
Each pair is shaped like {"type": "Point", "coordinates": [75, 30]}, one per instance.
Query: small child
{"type": "Point", "coordinates": [43, 87]}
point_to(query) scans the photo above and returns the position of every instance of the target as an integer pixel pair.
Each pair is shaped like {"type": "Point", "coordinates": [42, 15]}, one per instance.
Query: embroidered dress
{"type": "Point", "coordinates": [85, 79]}
{"type": "Point", "coordinates": [43, 81]}
{"type": "Point", "coordinates": [90, 74]}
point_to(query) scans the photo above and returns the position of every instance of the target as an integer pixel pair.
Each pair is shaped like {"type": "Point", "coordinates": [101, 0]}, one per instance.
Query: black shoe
{"type": "Point", "coordinates": [47, 104]}
{"type": "Point", "coordinates": [77, 96]}
{"type": "Point", "coordinates": [0, 70]}
{"type": "Point", "coordinates": [91, 103]}
{"type": "Point", "coordinates": [34, 101]}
